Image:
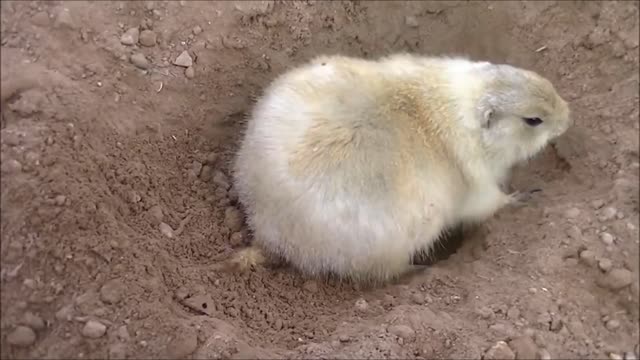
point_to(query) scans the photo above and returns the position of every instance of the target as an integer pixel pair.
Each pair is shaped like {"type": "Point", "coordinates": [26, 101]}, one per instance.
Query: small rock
{"type": "Point", "coordinates": [607, 214]}
{"type": "Point", "coordinates": [196, 167]}
{"type": "Point", "coordinates": [513, 313]}
{"type": "Point", "coordinates": [118, 351]}
{"type": "Point", "coordinates": [184, 60]}
{"type": "Point", "coordinates": [417, 298]}
{"type": "Point", "coordinates": [155, 213]}
{"type": "Point", "coordinates": [130, 37]}
{"type": "Point", "coordinates": [22, 336]}
{"type": "Point", "coordinates": [485, 312]}
{"type": "Point", "coordinates": [588, 257]}
{"type": "Point", "coordinates": [616, 279]}
{"type": "Point", "coordinates": [612, 325]}
{"type": "Point", "coordinates": [597, 204]}
{"type": "Point", "coordinates": [123, 333]}
{"type": "Point", "coordinates": [140, 61]}
{"type": "Point", "coordinates": [572, 213]}
{"type": "Point", "coordinates": [220, 179]}
{"type": "Point", "coordinates": [196, 30]}
{"type": "Point", "coordinates": [190, 73]}
{"type": "Point", "coordinates": [60, 200]}
{"type": "Point", "coordinates": [402, 331]}
{"type": "Point", "coordinates": [205, 174]}
{"type": "Point", "coordinates": [147, 38]}
{"type": "Point", "coordinates": [65, 313]}
{"type": "Point", "coordinates": [64, 19]}
{"type": "Point", "coordinates": [166, 230]}
{"type": "Point", "coordinates": [33, 321]}
{"type": "Point", "coordinates": [524, 347]}
{"type": "Point", "coordinates": [606, 238]}
{"type": "Point", "coordinates": [236, 239]}
{"type": "Point", "coordinates": [183, 345]}
{"type": "Point", "coordinates": [94, 329]}
{"type": "Point", "coordinates": [362, 305]}
{"type": "Point", "coordinates": [411, 21]}
{"type": "Point", "coordinates": [111, 291]}
{"type": "Point", "coordinates": [543, 354]}
{"type": "Point", "coordinates": [500, 350]}
{"type": "Point", "coordinates": [311, 286]}
{"type": "Point", "coordinates": [233, 219]}
{"type": "Point", "coordinates": [41, 18]}
{"type": "Point", "coordinates": [605, 264]}
{"type": "Point", "coordinates": [574, 233]}
{"type": "Point", "coordinates": [11, 166]}
{"type": "Point", "coordinates": [343, 338]}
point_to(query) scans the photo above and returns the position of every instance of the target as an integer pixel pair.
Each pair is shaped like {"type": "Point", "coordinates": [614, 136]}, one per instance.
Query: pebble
{"type": "Point", "coordinates": [607, 214]}
{"type": "Point", "coordinates": [41, 18]}
{"type": "Point", "coordinates": [402, 331]}
{"type": "Point", "coordinates": [94, 329]}
{"type": "Point", "coordinates": [500, 350]}
{"type": "Point", "coordinates": [65, 313]}
{"type": "Point", "coordinates": [118, 351]}
{"type": "Point", "coordinates": [417, 298]}
{"type": "Point", "coordinates": [33, 321]}
{"type": "Point", "coordinates": [147, 38]}
{"type": "Point", "coordinates": [524, 347]}
{"type": "Point", "coordinates": [606, 238]}
{"type": "Point", "coordinates": [574, 233]}
{"type": "Point", "coordinates": [190, 73]}
{"type": "Point", "coordinates": [543, 354]}
{"type": "Point", "coordinates": [11, 166]}
{"type": "Point", "coordinates": [612, 325]}
{"type": "Point", "coordinates": [485, 312]}
{"type": "Point", "coordinates": [588, 257]}
{"type": "Point", "coordinates": [196, 30]}
{"type": "Point", "coordinates": [361, 305]}
{"type": "Point", "coordinates": [597, 204]}
{"type": "Point", "coordinates": [22, 336]}
{"type": "Point", "coordinates": [183, 345]}
{"type": "Point", "coordinates": [513, 313]}
{"type": "Point", "coordinates": [60, 200]}
{"type": "Point", "coordinates": [111, 291]}
{"type": "Point", "coordinates": [166, 230]}
{"type": "Point", "coordinates": [605, 264]}
{"type": "Point", "coordinates": [140, 61]}
{"type": "Point", "coordinates": [64, 19]}
{"type": "Point", "coordinates": [411, 21]}
{"type": "Point", "coordinates": [205, 174]}
{"type": "Point", "coordinates": [233, 218]}
{"type": "Point", "coordinates": [221, 180]}
{"type": "Point", "coordinates": [236, 239]}
{"type": "Point", "coordinates": [155, 213]}
{"type": "Point", "coordinates": [572, 213]}
{"type": "Point", "coordinates": [196, 168]}
{"type": "Point", "coordinates": [123, 333]}
{"type": "Point", "coordinates": [184, 60]}
{"type": "Point", "coordinates": [130, 37]}
{"type": "Point", "coordinates": [616, 279]}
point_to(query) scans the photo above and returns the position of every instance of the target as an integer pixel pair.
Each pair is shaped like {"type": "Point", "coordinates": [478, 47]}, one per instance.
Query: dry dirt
{"type": "Point", "coordinates": [116, 199]}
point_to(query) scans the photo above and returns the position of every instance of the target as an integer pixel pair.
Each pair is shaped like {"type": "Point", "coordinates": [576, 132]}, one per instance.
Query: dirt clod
{"type": "Point", "coordinates": [402, 331]}
{"type": "Point", "coordinates": [112, 291]}
{"type": "Point", "coordinates": [140, 61]}
{"type": "Point", "coordinates": [130, 37]}
{"type": "Point", "coordinates": [616, 279]}
{"type": "Point", "coordinates": [233, 219]}
{"type": "Point", "coordinates": [500, 350]}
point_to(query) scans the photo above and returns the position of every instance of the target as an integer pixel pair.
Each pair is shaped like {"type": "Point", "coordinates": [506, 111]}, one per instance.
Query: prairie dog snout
{"type": "Point", "coordinates": [351, 166]}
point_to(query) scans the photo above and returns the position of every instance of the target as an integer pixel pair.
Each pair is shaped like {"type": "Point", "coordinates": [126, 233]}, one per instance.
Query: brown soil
{"type": "Point", "coordinates": [96, 153]}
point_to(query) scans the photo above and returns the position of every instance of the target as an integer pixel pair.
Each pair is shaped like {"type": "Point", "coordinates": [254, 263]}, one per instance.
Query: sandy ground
{"type": "Point", "coordinates": [116, 196]}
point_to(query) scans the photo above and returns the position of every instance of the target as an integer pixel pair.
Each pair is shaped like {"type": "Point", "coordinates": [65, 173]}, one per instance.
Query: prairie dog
{"type": "Point", "coordinates": [350, 166]}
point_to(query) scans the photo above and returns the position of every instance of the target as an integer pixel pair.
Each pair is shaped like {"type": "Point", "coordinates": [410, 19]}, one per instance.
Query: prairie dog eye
{"type": "Point", "coordinates": [532, 121]}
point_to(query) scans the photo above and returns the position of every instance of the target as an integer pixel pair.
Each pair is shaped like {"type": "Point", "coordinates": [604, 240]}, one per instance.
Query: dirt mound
{"type": "Point", "coordinates": [117, 201]}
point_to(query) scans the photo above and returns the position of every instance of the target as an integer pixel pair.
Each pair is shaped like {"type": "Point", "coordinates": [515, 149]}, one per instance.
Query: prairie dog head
{"type": "Point", "coordinates": [519, 112]}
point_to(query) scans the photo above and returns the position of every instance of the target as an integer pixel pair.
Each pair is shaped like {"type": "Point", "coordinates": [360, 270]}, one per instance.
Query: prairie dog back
{"type": "Point", "coordinates": [351, 166]}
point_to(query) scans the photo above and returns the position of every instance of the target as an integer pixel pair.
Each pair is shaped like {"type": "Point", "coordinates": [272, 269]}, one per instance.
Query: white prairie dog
{"type": "Point", "coordinates": [350, 166]}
